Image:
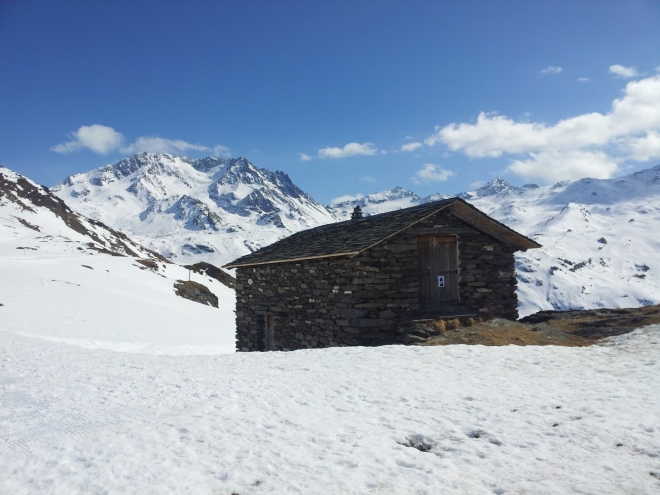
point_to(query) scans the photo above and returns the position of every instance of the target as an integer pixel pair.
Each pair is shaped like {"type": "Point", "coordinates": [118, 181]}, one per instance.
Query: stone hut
{"type": "Point", "coordinates": [361, 281]}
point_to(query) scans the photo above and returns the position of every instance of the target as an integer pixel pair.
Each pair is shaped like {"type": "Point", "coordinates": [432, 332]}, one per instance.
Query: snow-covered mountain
{"type": "Point", "coordinates": [29, 208]}
{"type": "Point", "coordinates": [375, 203]}
{"type": "Point", "coordinates": [71, 279]}
{"type": "Point", "coordinates": [601, 238]}
{"type": "Point", "coordinates": [211, 209]}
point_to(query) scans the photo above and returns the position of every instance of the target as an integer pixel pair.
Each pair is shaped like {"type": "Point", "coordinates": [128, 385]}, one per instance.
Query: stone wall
{"type": "Point", "coordinates": [362, 300]}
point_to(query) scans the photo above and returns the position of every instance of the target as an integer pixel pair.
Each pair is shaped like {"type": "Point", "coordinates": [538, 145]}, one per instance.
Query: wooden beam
{"type": "Point", "coordinates": [302, 258]}
{"type": "Point", "coordinates": [442, 230]}
{"type": "Point", "coordinates": [384, 239]}
{"type": "Point", "coordinates": [483, 228]}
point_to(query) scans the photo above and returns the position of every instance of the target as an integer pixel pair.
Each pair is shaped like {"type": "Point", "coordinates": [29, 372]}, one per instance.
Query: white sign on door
{"type": "Point", "coordinates": [441, 280]}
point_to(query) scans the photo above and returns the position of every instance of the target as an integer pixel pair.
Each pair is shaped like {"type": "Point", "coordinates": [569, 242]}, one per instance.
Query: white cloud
{"type": "Point", "coordinates": [551, 70]}
{"type": "Point", "coordinates": [411, 146]}
{"type": "Point", "coordinates": [584, 79]}
{"type": "Point", "coordinates": [351, 149]}
{"type": "Point", "coordinates": [100, 139]}
{"type": "Point", "coordinates": [553, 165]}
{"type": "Point", "coordinates": [155, 144]}
{"type": "Point", "coordinates": [347, 197]}
{"type": "Point", "coordinates": [625, 72]}
{"type": "Point", "coordinates": [304, 157]}
{"type": "Point", "coordinates": [368, 178]}
{"type": "Point", "coordinates": [645, 148]}
{"type": "Point", "coordinates": [627, 132]}
{"type": "Point", "coordinates": [431, 173]}
{"type": "Point", "coordinates": [220, 150]}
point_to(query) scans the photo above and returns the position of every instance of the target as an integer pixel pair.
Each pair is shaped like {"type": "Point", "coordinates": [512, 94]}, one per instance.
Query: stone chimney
{"type": "Point", "coordinates": [357, 213]}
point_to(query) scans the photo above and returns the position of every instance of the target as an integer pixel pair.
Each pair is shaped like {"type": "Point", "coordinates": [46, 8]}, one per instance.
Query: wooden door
{"type": "Point", "coordinates": [438, 262]}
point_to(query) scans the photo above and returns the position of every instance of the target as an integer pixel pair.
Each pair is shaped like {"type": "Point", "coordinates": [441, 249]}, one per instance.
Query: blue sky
{"type": "Point", "coordinates": [346, 97]}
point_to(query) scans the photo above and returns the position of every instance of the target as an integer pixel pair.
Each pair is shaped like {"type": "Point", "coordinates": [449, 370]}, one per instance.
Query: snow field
{"type": "Point", "coordinates": [399, 420]}
{"type": "Point", "coordinates": [59, 289]}
{"type": "Point", "coordinates": [113, 305]}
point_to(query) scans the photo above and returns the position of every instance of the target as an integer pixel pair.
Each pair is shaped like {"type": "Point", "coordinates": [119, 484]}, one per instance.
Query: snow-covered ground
{"type": "Point", "coordinates": [113, 304]}
{"type": "Point", "coordinates": [396, 420]}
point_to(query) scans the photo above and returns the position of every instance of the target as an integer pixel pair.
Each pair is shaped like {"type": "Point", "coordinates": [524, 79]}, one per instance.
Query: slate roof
{"type": "Point", "coordinates": [354, 236]}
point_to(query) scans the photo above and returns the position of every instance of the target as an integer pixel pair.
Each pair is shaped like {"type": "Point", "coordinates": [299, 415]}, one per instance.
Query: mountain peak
{"type": "Point", "coordinates": [494, 187]}
{"type": "Point", "coordinates": [176, 201]}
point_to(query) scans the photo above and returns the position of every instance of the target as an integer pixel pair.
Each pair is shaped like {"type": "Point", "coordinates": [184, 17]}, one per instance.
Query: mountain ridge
{"type": "Point", "coordinates": [218, 209]}
{"type": "Point", "coordinates": [172, 203]}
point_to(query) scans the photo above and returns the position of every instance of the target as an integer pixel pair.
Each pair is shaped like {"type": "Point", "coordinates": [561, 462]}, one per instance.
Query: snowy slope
{"type": "Point", "coordinates": [389, 420]}
{"type": "Point", "coordinates": [600, 237]}
{"type": "Point", "coordinates": [189, 210]}
{"type": "Point", "coordinates": [71, 279]}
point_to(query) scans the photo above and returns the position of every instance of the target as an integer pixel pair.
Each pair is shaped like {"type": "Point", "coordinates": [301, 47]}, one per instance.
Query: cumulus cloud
{"type": "Point", "coordinates": [583, 79]}
{"type": "Point", "coordinates": [551, 70]}
{"type": "Point", "coordinates": [155, 144]}
{"type": "Point", "coordinates": [351, 149]}
{"type": "Point", "coordinates": [411, 146]}
{"type": "Point", "coordinates": [100, 139]}
{"type": "Point", "coordinates": [304, 157]}
{"type": "Point", "coordinates": [621, 71]}
{"type": "Point", "coordinates": [627, 132]}
{"type": "Point", "coordinates": [347, 197]}
{"type": "Point", "coordinates": [431, 173]}
{"type": "Point", "coordinates": [551, 165]}
{"type": "Point", "coordinates": [368, 178]}
{"type": "Point", "coordinates": [645, 148]}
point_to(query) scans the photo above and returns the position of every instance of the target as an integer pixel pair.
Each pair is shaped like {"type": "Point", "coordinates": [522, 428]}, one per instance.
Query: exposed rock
{"type": "Point", "coordinates": [564, 328]}
{"type": "Point", "coordinates": [597, 323]}
{"type": "Point", "coordinates": [28, 195]}
{"type": "Point", "coordinates": [195, 292]}
{"type": "Point", "coordinates": [148, 264]}
{"type": "Point", "coordinates": [213, 272]}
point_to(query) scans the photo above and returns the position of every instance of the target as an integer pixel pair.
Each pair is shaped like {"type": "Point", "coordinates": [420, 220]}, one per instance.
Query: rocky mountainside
{"type": "Point", "coordinates": [211, 209]}
{"type": "Point", "coordinates": [600, 237]}
{"type": "Point", "coordinates": [28, 206]}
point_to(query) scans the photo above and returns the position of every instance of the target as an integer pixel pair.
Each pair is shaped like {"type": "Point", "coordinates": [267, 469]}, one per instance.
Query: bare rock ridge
{"type": "Point", "coordinates": [31, 198]}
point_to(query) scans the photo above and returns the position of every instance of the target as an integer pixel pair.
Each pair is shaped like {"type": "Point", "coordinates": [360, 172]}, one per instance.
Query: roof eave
{"type": "Point", "coordinates": [404, 228]}
{"type": "Point", "coordinates": [290, 260]}
{"type": "Point", "coordinates": [479, 220]}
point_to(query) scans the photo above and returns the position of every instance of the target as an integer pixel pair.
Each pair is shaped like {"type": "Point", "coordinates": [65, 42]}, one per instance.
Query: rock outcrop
{"type": "Point", "coordinates": [195, 292]}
